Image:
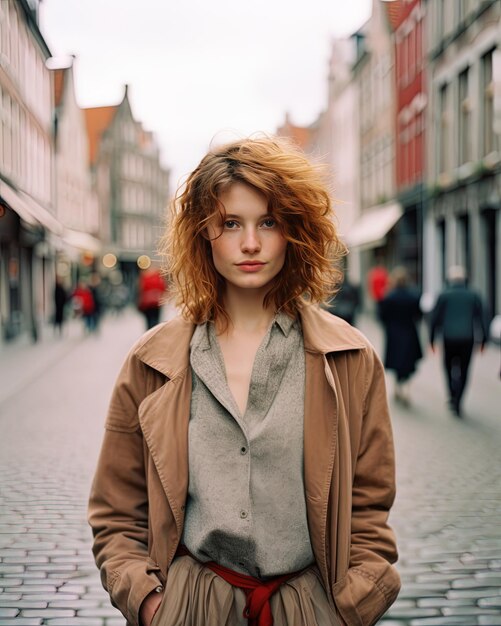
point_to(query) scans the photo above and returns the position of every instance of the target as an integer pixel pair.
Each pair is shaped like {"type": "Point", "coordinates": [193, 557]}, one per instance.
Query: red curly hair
{"type": "Point", "coordinates": [297, 198]}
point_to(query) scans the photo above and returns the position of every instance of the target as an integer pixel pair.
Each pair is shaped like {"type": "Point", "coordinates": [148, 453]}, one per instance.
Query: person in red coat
{"type": "Point", "coordinates": [150, 297]}
{"type": "Point", "coordinates": [83, 304]}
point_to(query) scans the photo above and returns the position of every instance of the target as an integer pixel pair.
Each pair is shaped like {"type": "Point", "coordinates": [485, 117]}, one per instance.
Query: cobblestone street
{"type": "Point", "coordinates": [53, 399]}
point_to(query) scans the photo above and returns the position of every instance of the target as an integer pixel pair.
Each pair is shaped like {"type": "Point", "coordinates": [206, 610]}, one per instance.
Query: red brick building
{"type": "Point", "coordinates": [407, 18]}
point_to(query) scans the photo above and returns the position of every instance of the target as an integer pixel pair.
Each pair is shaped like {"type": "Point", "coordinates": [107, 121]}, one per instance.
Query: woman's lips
{"type": "Point", "coordinates": [250, 266]}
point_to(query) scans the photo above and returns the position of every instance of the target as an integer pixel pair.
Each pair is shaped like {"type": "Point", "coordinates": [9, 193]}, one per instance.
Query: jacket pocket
{"type": "Point", "coordinates": [362, 598]}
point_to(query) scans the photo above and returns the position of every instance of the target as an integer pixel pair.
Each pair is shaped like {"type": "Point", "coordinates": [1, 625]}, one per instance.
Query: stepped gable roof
{"type": "Point", "coordinates": [300, 135]}
{"type": "Point", "coordinates": [98, 120]}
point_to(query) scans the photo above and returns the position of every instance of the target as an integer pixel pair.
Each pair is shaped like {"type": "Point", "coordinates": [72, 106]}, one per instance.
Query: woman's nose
{"type": "Point", "coordinates": [250, 241]}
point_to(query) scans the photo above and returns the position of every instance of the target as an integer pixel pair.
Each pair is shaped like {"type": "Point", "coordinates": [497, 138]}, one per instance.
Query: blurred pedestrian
{"type": "Point", "coordinates": [377, 280]}
{"type": "Point", "coordinates": [399, 312]}
{"type": "Point", "coordinates": [248, 443]}
{"type": "Point", "coordinates": [96, 290]}
{"type": "Point", "coordinates": [345, 302]}
{"type": "Point", "coordinates": [60, 300]}
{"type": "Point", "coordinates": [151, 293]}
{"type": "Point", "coordinates": [459, 317]}
{"type": "Point", "coordinates": [83, 304]}
{"type": "Point", "coordinates": [118, 296]}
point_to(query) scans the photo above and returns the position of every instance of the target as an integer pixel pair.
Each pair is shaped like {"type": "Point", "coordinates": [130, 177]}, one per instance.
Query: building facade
{"type": "Point", "coordinates": [27, 219]}
{"type": "Point", "coordinates": [333, 140]}
{"type": "Point", "coordinates": [374, 233]}
{"type": "Point", "coordinates": [76, 203]}
{"type": "Point", "coordinates": [463, 218]}
{"type": "Point", "coordinates": [132, 185]}
{"type": "Point", "coordinates": [344, 144]}
{"type": "Point", "coordinates": [408, 22]}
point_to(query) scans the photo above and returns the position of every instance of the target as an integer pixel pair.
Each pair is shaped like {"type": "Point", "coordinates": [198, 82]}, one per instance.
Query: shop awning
{"type": "Point", "coordinates": [373, 225]}
{"type": "Point", "coordinates": [14, 202]}
{"type": "Point", "coordinates": [82, 241]}
{"type": "Point", "coordinates": [28, 209]}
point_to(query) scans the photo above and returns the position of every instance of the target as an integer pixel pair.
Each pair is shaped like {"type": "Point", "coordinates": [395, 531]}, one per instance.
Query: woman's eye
{"type": "Point", "coordinates": [269, 223]}
{"type": "Point", "coordinates": [230, 224]}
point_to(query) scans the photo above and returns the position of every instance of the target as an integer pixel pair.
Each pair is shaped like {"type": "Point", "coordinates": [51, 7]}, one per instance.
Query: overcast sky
{"type": "Point", "coordinates": [201, 70]}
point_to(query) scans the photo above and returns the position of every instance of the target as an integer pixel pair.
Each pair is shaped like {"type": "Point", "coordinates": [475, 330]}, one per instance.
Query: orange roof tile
{"type": "Point", "coordinates": [145, 138]}
{"type": "Point", "coordinates": [393, 10]}
{"type": "Point", "coordinates": [59, 75]}
{"type": "Point", "coordinates": [97, 119]}
{"type": "Point", "coordinates": [301, 135]}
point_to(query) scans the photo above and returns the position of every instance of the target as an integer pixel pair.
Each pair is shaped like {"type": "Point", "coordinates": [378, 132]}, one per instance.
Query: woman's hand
{"type": "Point", "coordinates": [149, 607]}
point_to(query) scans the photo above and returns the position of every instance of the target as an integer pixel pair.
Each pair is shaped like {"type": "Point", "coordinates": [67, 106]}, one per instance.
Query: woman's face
{"type": "Point", "coordinates": [248, 247]}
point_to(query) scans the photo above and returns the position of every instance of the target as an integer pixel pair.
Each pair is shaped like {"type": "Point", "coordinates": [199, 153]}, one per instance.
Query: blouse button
{"type": "Point", "coordinates": [243, 450]}
{"type": "Point", "coordinates": [243, 514]}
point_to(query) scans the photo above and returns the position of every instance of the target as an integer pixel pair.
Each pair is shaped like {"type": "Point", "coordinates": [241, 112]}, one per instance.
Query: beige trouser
{"type": "Point", "coordinates": [196, 596]}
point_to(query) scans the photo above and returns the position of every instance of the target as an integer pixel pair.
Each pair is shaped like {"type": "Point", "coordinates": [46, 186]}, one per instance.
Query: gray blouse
{"type": "Point", "coordinates": [246, 506]}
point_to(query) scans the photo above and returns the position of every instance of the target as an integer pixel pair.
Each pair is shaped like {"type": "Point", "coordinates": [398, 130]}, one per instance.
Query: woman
{"type": "Point", "coordinates": [399, 311]}
{"type": "Point", "coordinates": [247, 469]}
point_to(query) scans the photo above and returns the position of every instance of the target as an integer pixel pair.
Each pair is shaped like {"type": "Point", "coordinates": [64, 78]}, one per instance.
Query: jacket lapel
{"type": "Point", "coordinates": [320, 433]}
{"type": "Point", "coordinates": [164, 414]}
{"type": "Point", "coordinates": [164, 417]}
{"type": "Point", "coordinates": [323, 334]}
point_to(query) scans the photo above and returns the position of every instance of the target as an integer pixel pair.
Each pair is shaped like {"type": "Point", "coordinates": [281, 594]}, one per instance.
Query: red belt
{"type": "Point", "coordinates": [258, 592]}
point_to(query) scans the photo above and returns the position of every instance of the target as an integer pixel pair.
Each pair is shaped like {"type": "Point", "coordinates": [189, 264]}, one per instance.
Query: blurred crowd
{"type": "Point", "coordinates": [457, 318]}
{"type": "Point", "coordinates": [92, 296]}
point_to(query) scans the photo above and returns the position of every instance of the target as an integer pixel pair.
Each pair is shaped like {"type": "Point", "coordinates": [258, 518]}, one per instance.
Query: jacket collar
{"type": "Point", "coordinates": [324, 332]}
{"type": "Point", "coordinates": [166, 347]}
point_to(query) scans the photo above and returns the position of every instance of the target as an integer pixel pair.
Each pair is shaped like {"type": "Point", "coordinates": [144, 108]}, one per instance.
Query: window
{"type": "Point", "coordinates": [14, 41]}
{"type": "Point", "coordinates": [448, 15]}
{"type": "Point", "coordinates": [487, 99]}
{"type": "Point", "coordinates": [5, 32]}
{"type": "Point", "coordinates": [419, 46]}
{"type": "Point", "coordinates": [441, 244]}
{"type": "Point", "coordinates": [464, 116]}
{"type": "Point", "coordinates": [1, 126]}
{"type": "Point", "coordinates": [444, 129]}
{"type": "Point", "coordinates": [16, 161]}
{"type": "Point", "coordinates": [412, 54]}
{"type": "Point", "coordinates": [439, 21]}
{"type": "Point", "coordinates": [7, 134]}
{"type": "Point", "coordinates": [461, 8]}
{"type": "Point", "coordinates": [463, 256]}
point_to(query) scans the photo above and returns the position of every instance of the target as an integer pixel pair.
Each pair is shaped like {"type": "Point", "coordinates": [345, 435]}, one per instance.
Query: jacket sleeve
{"type": "Point", "coordinates": [372, 583]}
{"type": "Point", "coordinates": [436, 319]}
{"type": "Point", "coordinates": [118, 505]}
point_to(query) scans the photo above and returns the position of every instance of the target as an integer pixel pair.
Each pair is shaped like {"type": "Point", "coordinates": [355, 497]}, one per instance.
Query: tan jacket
{"type": "Point", "coordinates": [138, 496]}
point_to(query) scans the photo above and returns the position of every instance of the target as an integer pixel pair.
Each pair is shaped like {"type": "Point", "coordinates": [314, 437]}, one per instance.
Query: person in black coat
{"type": "Point", "coordinates": [60, 300]}
{"type": "Point", "coordinates": [458, 315]}
{"type": "Point", "coordinates": [345, 302]}
{"type": "Point", "coordinates": [399, 312]}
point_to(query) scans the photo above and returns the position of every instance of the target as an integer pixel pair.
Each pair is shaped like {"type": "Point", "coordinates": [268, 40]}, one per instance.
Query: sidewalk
{"type": "Point", "coordinates": [22, 361]}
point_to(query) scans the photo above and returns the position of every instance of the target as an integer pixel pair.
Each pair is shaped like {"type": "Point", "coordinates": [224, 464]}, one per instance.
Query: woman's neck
{"type": "Point", "coordinates": [246, 311]}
